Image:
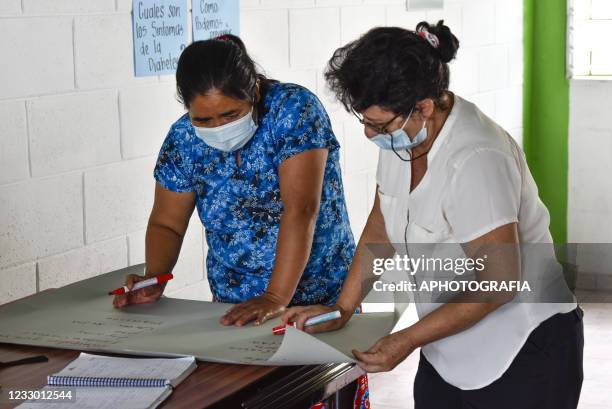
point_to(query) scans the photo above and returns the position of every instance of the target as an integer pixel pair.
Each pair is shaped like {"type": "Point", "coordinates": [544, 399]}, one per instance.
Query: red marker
{"type": "Point", "coordinates": [162, 278]}
{"type": "Point", "coordinates": [280, 330]}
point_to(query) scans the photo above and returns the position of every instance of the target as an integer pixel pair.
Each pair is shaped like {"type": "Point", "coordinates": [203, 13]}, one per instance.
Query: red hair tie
{"type": "Point", "coordinates": [432, 39]}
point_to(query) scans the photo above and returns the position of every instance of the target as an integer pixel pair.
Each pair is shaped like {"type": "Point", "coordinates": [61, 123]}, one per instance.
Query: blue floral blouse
{"type": "Point", "coordinates": [240, 205]}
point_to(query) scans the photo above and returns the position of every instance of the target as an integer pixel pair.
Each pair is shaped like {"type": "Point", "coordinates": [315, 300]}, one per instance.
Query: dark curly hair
{"type": "Point", "coordinates": [393, 68]}
{"type": "Point", "coordinates": [221, 63]}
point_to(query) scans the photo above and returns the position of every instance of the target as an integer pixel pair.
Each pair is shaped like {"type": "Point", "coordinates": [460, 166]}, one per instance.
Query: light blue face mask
{"type": "Point", "coordinates": [229, 137]}
{"type": "Point", "coordinates": [399, 139]}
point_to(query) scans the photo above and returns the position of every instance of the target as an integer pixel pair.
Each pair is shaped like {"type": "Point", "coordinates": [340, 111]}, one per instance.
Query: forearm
{"type": "Point", "coordinates": [372, 244]}
{"type": "Point", "coordinates": [162, 248]}
{"type": "Point", "coordinates": [464, 310]}
{"type": "Point", "coordinates": [295, 235]}
{"type": "Point", "coordinates": [359, 276]}
{"type": "Point", "coordinates": [449, 319]}
{"type": "Point", "coordinates": [500, 248]}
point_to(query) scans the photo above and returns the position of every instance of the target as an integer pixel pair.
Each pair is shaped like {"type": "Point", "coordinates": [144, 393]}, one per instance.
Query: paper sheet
{"type": "Point", "coordinates": [105, 398]}
{"type": "Point", "coordinates": [81, 316]}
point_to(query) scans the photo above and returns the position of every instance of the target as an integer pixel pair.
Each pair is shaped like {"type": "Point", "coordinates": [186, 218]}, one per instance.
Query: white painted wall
{"type": "Point", "coordinates": [79, 134]}
{"type": "Point", "coordinates": [590, 180]}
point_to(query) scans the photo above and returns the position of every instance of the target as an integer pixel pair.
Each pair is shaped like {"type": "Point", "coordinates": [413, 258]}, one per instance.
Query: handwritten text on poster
{"type": "Point", "coordinates": [160, 35]}
{"type": "Point", "coordinates": [211, 19]}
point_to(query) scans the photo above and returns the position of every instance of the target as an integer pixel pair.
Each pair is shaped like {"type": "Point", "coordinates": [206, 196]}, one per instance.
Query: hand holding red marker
{"type": "Point", "coordinates": [162, 278]}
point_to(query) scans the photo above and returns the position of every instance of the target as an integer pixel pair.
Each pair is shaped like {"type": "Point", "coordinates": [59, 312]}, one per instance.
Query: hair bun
{"type": "Point", "coordinates": [230, 38]}
{"type": "Point", "coordinates": [449, 44]}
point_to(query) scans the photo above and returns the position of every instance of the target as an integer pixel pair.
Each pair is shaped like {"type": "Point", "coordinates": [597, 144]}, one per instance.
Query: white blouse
{"type": "Point", "coordinates": [477, 180]}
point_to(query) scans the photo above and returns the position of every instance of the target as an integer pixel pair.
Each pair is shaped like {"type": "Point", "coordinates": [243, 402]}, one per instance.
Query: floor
{"type": "Point", "coordinates": [393, 390]}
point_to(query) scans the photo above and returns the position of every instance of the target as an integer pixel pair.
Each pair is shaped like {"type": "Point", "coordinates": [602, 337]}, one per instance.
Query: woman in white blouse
{"type": "Point", "coordinates": [449, 174]}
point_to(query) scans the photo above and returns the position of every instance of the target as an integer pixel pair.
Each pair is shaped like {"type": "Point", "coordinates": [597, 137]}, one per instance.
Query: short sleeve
{"type": "Point", "coordinates": [172, 170]}
{"type": "Point", "coordinates": [301, 124]}
{"type": "Point", "coordinates": [484, 194]}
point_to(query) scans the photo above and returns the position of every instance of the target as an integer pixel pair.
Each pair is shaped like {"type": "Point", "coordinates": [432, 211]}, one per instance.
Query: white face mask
{"type": "Point", "coordinates": [229, 137]}
{"type": "Point", "coordinates": [399, 139]}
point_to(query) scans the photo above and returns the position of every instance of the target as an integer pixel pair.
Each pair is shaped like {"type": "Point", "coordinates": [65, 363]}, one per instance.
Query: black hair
{"type": "Point", "coordinates": [221, 63]}
{"type": "Point", "coordinates": [393, 68]}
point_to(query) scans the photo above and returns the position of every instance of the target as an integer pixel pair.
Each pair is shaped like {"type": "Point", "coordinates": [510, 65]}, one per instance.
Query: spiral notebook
{"type": "Point", "coordinates": [100, 382]}
{"type": "Point", "coordinates": [108, 371]}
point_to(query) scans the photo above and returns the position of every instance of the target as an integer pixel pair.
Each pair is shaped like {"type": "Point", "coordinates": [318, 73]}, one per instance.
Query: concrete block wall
{"type": "Point", "coordinates": [78, 140]}
{"type": "Point", "coordinates": [590, 186]}
{"type": "Point", "coordinates": [79, 134]}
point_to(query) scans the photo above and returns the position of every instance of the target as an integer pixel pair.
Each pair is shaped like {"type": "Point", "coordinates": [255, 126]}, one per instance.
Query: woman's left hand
{"type": "Point", "coordinates": [386, 353]}
{"type": "Point", "coordinates": [260, 309]}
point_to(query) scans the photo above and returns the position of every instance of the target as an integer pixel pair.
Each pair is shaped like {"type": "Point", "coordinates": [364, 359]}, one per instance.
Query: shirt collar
{"type": "Point", "coordinates": [446, 128]}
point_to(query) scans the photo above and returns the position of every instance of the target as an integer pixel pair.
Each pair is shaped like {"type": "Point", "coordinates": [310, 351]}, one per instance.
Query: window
{"type": "Point", "coordinates": [589, 34]}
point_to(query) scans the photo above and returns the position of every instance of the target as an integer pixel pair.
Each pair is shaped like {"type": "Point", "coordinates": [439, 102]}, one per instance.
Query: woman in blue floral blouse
{"type": "Point", "coordinates": [259, 160]}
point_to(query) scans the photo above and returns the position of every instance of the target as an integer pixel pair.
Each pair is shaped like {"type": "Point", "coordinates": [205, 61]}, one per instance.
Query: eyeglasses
{"type": "Point", "coordinates": [378, 129]}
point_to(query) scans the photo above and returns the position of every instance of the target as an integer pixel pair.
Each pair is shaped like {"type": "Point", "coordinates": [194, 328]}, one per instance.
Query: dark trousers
{"type": "Point", "coordinates": [546, 374]}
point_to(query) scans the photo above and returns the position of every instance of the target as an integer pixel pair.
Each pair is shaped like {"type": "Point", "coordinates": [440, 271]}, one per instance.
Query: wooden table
{"type": "Point", "coordinates": [210, 385]}
{"type": "Point", "coordinates": [216, 386]}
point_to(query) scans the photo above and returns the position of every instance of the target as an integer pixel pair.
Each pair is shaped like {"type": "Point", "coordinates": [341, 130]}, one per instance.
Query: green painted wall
{"type": "Point", "coordinates": [546, 106]}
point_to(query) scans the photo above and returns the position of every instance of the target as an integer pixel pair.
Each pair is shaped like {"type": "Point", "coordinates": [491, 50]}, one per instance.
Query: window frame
{"type": "Point", "coordinates": [572, 23]}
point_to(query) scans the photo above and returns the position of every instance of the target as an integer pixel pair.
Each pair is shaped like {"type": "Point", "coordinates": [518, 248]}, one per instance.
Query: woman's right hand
{"type": "Point", "coordinates": [144, 295]}
{"type": "Point", "coordinates": [299, 315]}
